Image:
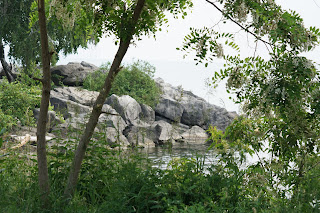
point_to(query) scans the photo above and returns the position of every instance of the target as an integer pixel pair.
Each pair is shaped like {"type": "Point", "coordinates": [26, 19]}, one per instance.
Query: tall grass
{"type": "Point", "coordinates": [125, 181]}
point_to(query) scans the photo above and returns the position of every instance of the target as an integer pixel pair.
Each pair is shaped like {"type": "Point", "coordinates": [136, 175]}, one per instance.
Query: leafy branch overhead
{"type": "Point", "coordinates": [279, 95]}
{"type": "Point", "coordinates": [284, 30]}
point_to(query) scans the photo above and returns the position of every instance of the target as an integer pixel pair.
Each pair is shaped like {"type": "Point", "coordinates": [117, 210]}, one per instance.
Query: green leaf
{"type": "Point", "coordinates": [2, 131]}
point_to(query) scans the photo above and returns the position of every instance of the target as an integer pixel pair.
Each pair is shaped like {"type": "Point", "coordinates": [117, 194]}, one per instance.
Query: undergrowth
{"type": "Point", "coordinates": [123, 181]}
{"type": "Point", "coordinates": [113, 181]}
{"type": "Point", "coordinates": [135, 80]}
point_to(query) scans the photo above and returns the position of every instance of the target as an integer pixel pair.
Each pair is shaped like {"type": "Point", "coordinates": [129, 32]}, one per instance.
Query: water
{"type": "Point", "coordinates": [160, 156]}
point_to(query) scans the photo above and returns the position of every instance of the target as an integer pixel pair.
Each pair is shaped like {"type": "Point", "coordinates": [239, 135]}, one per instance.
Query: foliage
{"type": "Point", "coordinates": [14, 27]}
{"type": "Point", "coordinates": [279, 96]}
{"type": "Point", "coordinates": [125, 181]}
{"type": "Point", "coordinates": [19, 30]}
{"type": "Point", "coordinates": [135, 80]}
{"type": "Point", "coordinates": [17, 103]}
{"type": "Point", "coordinates": [115, 17]}
{"type": "Point", "coordinates": [113, 181]}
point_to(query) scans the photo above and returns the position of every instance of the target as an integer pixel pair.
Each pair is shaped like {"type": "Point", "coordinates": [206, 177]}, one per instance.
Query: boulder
{"type": "Point", "coordinates": [110, 118]}
{"type": "Point", "coordinates": [72, 74]}
{"type": "Point", "coordinates": [65, 107]}
{"type": "Point", "coordinates": [115, 137]}
{"type": "Point", "coordinates": [183, 106]}
{"type": "Point", "coordinates": [195, 112]}
{"type": "Point", "coordinates": [76, 94]}
{"type": "Point", "coordinates": [220, 118]}
{"type": "Point", "coordinates": [169, 108]}
{"type": "Point", "coordinates": [127, 107]}
{"type": "Point", "coordinates": [181, 128]}
{"type": "Point", "coordinates": [52, 118]}
{"type": "Point", "coordinates": [195, 134]}
{"type": "Point", "coordinates": [161, 132]}
{"type": "Point", "coordinates": [147, 114]}
{"type": "Point", "coordinates": [139, 136]}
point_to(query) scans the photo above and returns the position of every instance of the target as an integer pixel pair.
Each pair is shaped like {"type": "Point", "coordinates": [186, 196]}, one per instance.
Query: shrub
{"type": "Point", "coordinates": [134, 80]}
{"type": "Point", "coordinates": [17, 102]}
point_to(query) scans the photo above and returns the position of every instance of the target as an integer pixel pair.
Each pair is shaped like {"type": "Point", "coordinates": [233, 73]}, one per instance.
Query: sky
{"type": "Point", "coordinates": [169, 62]}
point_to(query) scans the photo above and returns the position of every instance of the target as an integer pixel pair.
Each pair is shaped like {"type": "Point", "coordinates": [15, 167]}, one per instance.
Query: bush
{"type": "Point", "coordinates": [17, 102]}
{"type": "Point", "coordinates": [134, 80]}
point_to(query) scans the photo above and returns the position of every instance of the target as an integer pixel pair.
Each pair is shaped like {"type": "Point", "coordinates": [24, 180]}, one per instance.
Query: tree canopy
{"type": "Point", "coordinates": [19, 30]}
{"type": "Point", "coordinates": [279, 94]}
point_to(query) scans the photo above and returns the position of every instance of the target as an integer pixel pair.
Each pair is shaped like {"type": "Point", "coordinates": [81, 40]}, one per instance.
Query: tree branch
{"type": "Point", "coordinates": [242, 27]}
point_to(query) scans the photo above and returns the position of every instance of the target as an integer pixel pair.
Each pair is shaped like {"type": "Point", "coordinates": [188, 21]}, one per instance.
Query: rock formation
{"type": "Point", "coordinates": [179, 116]}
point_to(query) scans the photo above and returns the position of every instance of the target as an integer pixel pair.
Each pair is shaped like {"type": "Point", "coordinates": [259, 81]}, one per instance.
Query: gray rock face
{"type": "Point", "coordinates": [147, 114]}
{"type": "Point", "coordinates": [195, 112]}
{"type": "Point", "coordinates": [195, 134]}
{"type": "Point", "coordinates": [72, 74]}
{"type": "Point", "coordinates": [190, 109]}
{"type": "Point", "coordinates": [115, 137]}
{"type": "Point", "coordinates": [110, 118]}
{"type": "Point", "coordinates": [65, 106]}
{"type": "Point", "coordinates": [170, 109]}
{"type": "Point", "coordinates": [179, 116]}
{"type": "Point", "coordinates": [76, 94]}
{"type": "Point", "coordinates": [140, 136]}
{"type": "Point", "coordinates": [220, 118]}
{"type": "Point", "coordinates": [127, 107]}
{"type": "Point", "coordinates": [163, 132]}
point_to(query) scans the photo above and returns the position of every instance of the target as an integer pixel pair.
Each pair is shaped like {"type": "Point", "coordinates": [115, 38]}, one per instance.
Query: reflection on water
{"type": "Point", "coordinates": [162, 155]}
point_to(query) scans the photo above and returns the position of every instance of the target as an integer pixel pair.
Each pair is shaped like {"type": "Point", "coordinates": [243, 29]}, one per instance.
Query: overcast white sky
{"type": "Point", "coordinates": [169, 62]}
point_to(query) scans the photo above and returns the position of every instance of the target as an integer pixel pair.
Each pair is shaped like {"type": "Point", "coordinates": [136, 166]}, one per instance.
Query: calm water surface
{"type": "Point", "coordinates": [162, 155]}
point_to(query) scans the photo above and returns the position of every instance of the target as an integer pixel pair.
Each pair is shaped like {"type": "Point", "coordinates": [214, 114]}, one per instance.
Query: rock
{"type": "Point", "coordinates": [159, 132]}
{"type": "Point", "coordinates": [147, 114]}
{"type": "Point", "coordinates": [127, 107]}
{"type": "Point", "coordinates": [110, 118]}
{"type": "Point", "coordinates": [220, 118]}
{"type": "Point", "coordinates": [139, 136]}
{"type": "Point", "coordinates": [181, 128]}
{"type": "Point", "coordinates": [115, 137]}
{"type": "Point", "coordinates": [76, 94]}
{"type": "Point", "coordinates": [192, 110]}
{"type": "Point", "coordinates": [52, 118]}
{"type": "Point", "coordinates": [66, 106]}
{"type": "Point", "coordinates": [169, 108]}
{"type": "Point", "coordinates": [88, 65]}
{"type": "Point", "coordinates": [195, 112]}
{"type": "Point", "coordinates": [162, 132]}
{"type": "Point", "coordinates": [195, 134]}
{"type": "Point", "coordinates": [72, 74]}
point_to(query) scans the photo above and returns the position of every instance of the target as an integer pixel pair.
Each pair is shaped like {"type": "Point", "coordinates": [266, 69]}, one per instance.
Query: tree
{"type": "Point", "coordinates": [44, 106]}
{"type": "Point", "coordinates": [279, 95]}
{"type": "Point", "coordinates": [127, 20]}
{"type": "Point", "coordinates": [20, 31]}
{"type": "Point", "coordinates": [68, 42]}
{"type": "Point", "coordinates": [14, 26]}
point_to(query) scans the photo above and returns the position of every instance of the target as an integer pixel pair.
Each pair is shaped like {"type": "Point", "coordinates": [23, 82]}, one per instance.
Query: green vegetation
{"type": "Point", "coordinates": [280, 102]}
{"type": "Point", "coordinates": [124, 181]}
{"type": "Point", "coordinates": [279, 95]}
{"type": "Point", "coordinates": [135, 79]}
{"type": "Point", "coordinates": [17, 103]}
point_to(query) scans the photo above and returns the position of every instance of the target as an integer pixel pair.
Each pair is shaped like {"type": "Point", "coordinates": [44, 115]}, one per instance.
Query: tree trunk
{"type": "Point", "coordinates": [42, 122]}
{"type": "Point", "coordinates": [6, 68]}
{"type": "Point", "coordinates": [96, 111]}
